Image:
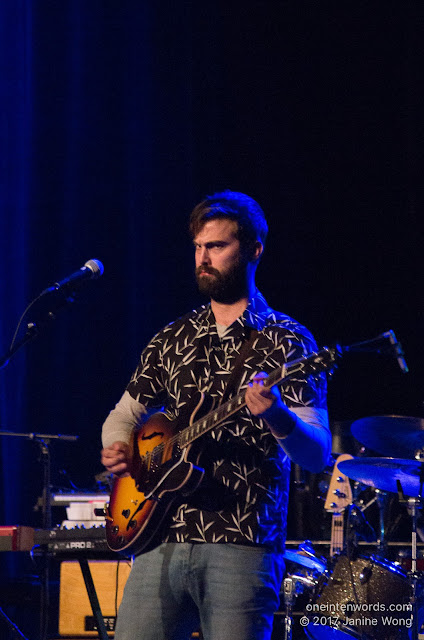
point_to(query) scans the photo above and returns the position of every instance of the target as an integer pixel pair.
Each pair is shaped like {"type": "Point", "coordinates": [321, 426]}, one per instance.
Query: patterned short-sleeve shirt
{"type": "Point", "coordinates": [243, 497]}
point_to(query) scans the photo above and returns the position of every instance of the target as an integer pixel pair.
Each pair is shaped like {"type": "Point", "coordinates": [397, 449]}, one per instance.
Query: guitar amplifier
{"type": "Point", "coordinates": [75, 612]}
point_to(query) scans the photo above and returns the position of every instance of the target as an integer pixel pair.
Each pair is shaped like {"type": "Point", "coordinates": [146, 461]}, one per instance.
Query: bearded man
{"type": "Point", "coordinates": [217, 562]}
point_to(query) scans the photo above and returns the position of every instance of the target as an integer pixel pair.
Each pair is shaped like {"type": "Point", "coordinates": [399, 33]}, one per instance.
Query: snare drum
{"type": "Point", "coordinates": [363, 597]}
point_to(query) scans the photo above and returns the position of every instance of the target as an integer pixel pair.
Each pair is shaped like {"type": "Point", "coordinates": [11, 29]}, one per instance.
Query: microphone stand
{"type": "Point", "coordinates": [55, 304]}
{"type": "Point", "coordinates": [34, 328]}
{"type": "Point", "coordinates": [43, 440]}
{"type": "Point", "coordinates": [58, 298]}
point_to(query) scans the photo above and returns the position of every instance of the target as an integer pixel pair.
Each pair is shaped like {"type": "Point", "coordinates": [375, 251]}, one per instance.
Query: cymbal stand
{"type": "Point", "coordinates": [413, 576]}
{"type": "Point", "coordinates": [381, 500]}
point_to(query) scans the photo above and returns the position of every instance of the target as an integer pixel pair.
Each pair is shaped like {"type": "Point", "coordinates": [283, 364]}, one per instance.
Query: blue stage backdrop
{"type": "Point", "coordinates": [117, 117]}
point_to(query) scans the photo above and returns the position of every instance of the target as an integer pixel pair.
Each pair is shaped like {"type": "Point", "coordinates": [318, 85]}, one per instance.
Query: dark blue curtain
{"type": "Point", "coordinates": [16, 140]}
{"type": "Point", "coordinates": [117, 117]}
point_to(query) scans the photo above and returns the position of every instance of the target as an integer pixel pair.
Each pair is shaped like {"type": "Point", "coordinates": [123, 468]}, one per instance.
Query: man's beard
{"type": "Point", "coordinates": [223, 287]}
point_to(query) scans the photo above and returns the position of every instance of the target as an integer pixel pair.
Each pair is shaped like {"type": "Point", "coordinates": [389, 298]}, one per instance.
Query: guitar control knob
{"type": "Point", "coordinates": [126, 513]}
{"type": "Point", "coordinates": [115, 529]}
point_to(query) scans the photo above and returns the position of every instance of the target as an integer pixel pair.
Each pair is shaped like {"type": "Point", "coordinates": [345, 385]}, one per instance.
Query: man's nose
{"type": "Point", "coordinates": [203, 256]}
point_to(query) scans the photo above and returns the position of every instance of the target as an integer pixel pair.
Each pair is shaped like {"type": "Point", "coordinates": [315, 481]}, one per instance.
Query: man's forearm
{"type": "Point", "coordinates": [304, 435]}
{"type": "Point", "coordinates": [122, 420]}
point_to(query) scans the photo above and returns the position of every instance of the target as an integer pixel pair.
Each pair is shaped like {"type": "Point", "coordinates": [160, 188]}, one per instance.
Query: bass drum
{"type": "Point", "coordinates": [365, 598]}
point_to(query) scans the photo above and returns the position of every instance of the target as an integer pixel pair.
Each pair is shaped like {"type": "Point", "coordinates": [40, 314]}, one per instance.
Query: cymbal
{"type": "Point", "coordinates": [308, 562]}
{"type": "Point", "coordinates": [382, 473]}
{"type": "Point", "coordinates": [401, 436]}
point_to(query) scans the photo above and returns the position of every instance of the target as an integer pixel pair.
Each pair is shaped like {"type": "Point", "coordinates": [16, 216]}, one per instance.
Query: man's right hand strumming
{"type": "Point", "coordinates": [117, 458]}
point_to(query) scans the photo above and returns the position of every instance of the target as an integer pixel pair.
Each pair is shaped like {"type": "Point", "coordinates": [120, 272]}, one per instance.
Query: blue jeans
{"type": "Point", "coordinates": [230, 590]}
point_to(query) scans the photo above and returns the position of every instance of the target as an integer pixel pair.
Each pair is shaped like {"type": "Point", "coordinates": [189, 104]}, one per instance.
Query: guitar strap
{"type": "Point", "coordinates": [238, 364]}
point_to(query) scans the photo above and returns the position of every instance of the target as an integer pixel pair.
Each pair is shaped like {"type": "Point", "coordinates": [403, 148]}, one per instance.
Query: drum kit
{"type": "Point", "coordinates": [352, 595]}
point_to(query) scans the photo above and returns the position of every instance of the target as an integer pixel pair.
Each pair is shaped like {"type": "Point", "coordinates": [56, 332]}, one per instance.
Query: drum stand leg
{"type": "Point", "coordinates": [289, 597]}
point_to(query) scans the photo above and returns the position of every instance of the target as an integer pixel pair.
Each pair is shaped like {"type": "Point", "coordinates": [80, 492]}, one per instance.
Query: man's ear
{"type": "Point", "coordinates": [258, 248]}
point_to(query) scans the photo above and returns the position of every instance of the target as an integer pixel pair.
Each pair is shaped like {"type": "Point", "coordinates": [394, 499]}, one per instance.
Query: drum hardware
{"type": "Point", "coordinates": [296, 583]}
{"type": "Point", "coordinates": [414, 576]}
{"type": "Point", "coordinates": [359, 524]}
{"type": "Point", "coordinates": [381, 498]}
{"type": "Point", "coordinates": [365, 575]}
{"type": "Point", "coordinates": [289, 598]}
{"type": "Point", "coordinates": [308, 561]}
{"type": "Point", "coordinates": [399, 476]}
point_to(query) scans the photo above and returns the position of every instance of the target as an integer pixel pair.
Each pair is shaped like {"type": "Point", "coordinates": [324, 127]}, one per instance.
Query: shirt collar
{"type": "Point", "coordinates": [254, 316]}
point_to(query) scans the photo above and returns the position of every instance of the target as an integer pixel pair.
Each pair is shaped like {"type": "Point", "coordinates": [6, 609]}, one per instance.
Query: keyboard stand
{"type": "Point", "coordinates": [94, 601]}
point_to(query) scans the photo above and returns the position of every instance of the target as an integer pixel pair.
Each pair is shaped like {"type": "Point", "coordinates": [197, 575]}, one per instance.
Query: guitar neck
{"type": "Point", "coordinates": [337, 534]}
{"type": "Point", "coordinates": [312, 364]}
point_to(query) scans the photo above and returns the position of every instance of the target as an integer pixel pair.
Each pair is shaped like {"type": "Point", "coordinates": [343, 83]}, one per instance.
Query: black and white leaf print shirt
{"type": "Point", "coordinates": [244, 494]}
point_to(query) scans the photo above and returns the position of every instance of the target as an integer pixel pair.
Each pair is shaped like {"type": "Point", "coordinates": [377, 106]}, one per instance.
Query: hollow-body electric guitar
{"type": "Point", "coordinates": [161, 470]}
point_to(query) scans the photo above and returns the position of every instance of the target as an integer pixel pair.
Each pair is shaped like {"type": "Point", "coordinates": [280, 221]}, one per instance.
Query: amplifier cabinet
{"type": "Point", "coordinates": [75, 613]}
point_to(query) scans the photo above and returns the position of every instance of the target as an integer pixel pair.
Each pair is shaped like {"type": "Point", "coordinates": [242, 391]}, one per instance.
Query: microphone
{"type": "Point", "coordinates": [400, 356]}
{"type": "Point", "coordinates": [91, 270]}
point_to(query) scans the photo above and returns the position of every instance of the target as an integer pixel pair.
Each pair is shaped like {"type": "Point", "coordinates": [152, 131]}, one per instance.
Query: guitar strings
{"type": "Point", "coordinates": [228, 409]}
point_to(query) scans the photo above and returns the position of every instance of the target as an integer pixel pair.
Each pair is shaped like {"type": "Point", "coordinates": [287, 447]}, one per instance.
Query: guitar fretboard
{"type": "Point", "coordinates": [312, 364]}
{"type": "Point", "coordinates": [337, 534]}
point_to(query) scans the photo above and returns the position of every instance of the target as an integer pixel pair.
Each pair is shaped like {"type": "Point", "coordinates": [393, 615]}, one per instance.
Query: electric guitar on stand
{"type": "Point", "coordinates": [161, 469]}
{"type": "Point", "coordinates": [339, 496]}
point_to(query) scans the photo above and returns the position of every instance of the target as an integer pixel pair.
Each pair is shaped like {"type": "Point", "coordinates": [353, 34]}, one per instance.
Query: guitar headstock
{"type": "Point", "coordinates": [339, 494]}
{"type": "Point", "coordinates": [325, 359]}
{"type": "Point", "coordinates": [322, 360]}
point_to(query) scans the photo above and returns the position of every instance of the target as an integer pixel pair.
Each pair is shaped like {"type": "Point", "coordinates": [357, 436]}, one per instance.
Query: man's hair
{"type": "Point", "coordinates": [236, 206]}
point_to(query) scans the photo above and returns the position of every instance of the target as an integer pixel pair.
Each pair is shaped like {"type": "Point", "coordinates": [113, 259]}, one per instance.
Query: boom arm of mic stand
{"type": "Point", "coordinates": [34, 328]}
{"type": "Point", "coordinates": [368, 346]}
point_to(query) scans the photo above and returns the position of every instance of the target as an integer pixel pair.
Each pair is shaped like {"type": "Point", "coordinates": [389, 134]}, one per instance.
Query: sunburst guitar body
{"type": "Point", "coordinates": [160, 473]}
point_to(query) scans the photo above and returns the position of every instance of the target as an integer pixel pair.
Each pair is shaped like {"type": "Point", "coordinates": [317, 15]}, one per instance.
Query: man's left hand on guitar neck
{"type": "Point", "coordinates": [265, 402]}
